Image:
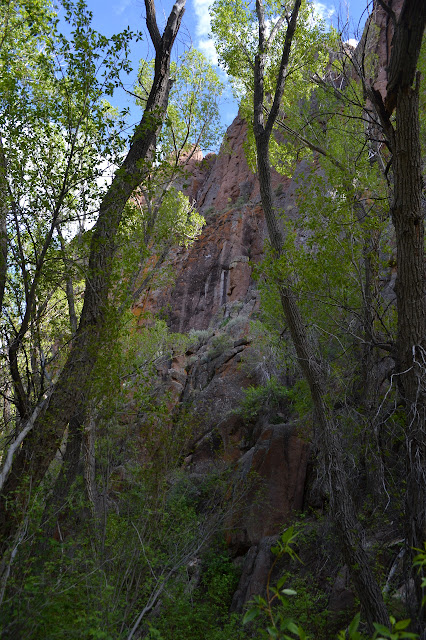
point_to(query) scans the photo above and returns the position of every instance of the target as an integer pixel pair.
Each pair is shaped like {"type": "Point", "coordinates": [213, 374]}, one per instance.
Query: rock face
{"type": "Point", "coordinates": [376, 43]}
{"type": "Point", "coordinates": [214, 295]}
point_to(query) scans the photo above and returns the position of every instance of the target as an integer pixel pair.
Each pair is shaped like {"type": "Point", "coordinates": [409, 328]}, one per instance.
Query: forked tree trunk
{"type": "Point", "coordinates": [69, 396]}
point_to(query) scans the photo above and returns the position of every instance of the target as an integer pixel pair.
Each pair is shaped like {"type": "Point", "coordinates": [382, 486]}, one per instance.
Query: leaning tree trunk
{"type": "Point", "coordinates": [341, 503]}
{"type": "Point", "coordinates": [69, 397]}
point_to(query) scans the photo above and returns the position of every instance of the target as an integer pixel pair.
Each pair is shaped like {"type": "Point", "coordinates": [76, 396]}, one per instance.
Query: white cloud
{"type": "Point", "coordinates": [352, 42]}
{"type": "Point", "coordinates": [201, 10]}
{"type": "Point", "coordinates": [203, 29]}
{"type": "Point", "coordinates": [207, 47]}
{"type": "Point", "coordinates": [324, 11]}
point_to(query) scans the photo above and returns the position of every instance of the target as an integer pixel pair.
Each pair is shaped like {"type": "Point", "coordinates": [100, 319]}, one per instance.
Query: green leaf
{"type": "Point", "coordinates": [354, 624]}
{"type": "Point", "coordinates": [380, 628]}
{"type": "Point", "coordinates": [291, 626]}
{"type": "Point", "coordinates": [250, 615]}
{"type": "Point", "coordinates": [281, 581]}
{"type": "Point", "coordinates": [402, 624]}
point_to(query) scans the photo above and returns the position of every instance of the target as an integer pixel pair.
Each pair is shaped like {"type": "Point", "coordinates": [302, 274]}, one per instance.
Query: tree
{"type": "Point", "coordinates": [395, 148]}
{"type": "Point", "coordinates": [341, 505]}
{"type": "Point", "coordinates": [67, 398]}
{"type": "Point", "coordinates": [408, 211]}
{"type": "Point", "coordinates": [158, 218]}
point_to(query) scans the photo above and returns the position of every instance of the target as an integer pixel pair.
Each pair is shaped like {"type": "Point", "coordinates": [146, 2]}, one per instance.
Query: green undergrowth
{"type": "Point", "coordinates": [288, 610]}
{"type": "Point", "coordinates": [202, 613]}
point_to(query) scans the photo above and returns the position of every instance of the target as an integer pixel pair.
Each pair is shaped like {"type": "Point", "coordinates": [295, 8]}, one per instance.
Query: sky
{"type": "Point", "coordinates": [112, 16]}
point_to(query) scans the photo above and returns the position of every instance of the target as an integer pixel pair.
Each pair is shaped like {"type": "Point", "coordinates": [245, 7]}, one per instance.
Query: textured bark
{"type": "Point", "coordinates": [69, 397]}
{"type": "Point", "coordinates": [406, 44]}
{"type": "Point", "coordinates": [69, 287]}
{"type": "Point", "coordinates": [408, 220]}
{"type": "Point", "coordinates": [403, 139]}
{"type": "Point", "coordinates": [341, 504]}
{"type": "Point", "coordinates": [89, 472]}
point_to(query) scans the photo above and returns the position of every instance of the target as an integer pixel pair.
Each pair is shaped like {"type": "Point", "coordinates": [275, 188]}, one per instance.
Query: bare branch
{"type": "Point", "coordinates": [20, 438]}
{"type": "Point", "coordinates": [151, 23]}
{"type": "Point", "coordinates": [283, 67]}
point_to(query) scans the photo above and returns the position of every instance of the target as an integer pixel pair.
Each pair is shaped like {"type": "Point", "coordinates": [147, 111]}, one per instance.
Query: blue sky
{"type": "Point", "coordinates": [112, 16]}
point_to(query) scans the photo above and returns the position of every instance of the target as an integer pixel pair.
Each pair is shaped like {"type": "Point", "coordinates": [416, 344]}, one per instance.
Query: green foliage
{"type": "Point", "coordinates": [162, 216]}
{"type": "Point", "coordinates": [398, 631]}
{"type": "Point", "coordinates": [235, 32]}
{"type": "Point", "coordinates": [219, 344]}
{"type": "Point", "coordinates": [202, 614]}
{"type": "Point", "coordinates": [193, 120]}
{"type": "Point", "coordinates": [420, 562]}
{"type": "Point", "coordinates": [198, 336]}
{"type": "Point", "coordinates": [177, 219]}
{"type": "Point", "coordinates": [283, 618]}
{"type": "Point", "coordinates": [58, 136]}
{"type": "Point", "coordinates": [101, 573]}
{"type": "Point", "coordinates": [266, 397]}
{"type": "Point", "coordinates": [274, 607]}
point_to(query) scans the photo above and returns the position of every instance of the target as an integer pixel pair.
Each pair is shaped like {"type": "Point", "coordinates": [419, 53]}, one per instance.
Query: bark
{"type": "Point", "coordinates": [69, 397]}
{"type": "Point", "coordinates": [406, 44]}
{"type": "Point", "coordinates": [69, 287]}
{"type": "Point", "coordinates": [97, 506]}
{"type": "Point", "coordinates": [408, 221]}
{"type": "Point", "coordinates": [341, 504]}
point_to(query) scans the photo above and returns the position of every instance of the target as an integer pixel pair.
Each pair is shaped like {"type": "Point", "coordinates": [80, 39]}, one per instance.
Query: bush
{"type": "Point", "coordinates": [265, 397]}
{"type": "Point", "coordinates": [220, 343]}
{"type": "Point", "coordinates": [198, 336]}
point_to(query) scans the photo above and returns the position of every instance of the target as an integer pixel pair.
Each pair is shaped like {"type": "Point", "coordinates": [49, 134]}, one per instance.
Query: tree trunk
{"type": "Point", "coordinates": [341, 504]}
{"type": "Point", "coordinates": [408, 220]}
{"type": "Point", "coordinates": [69, 397]}
{"type": "Point", "coordinates": [67, 474]}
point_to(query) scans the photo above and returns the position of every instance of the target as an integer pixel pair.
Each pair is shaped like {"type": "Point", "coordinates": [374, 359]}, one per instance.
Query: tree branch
{"type": "Point", "coordinates": [279, 91]}
{"type": "Point", "coordinates": [151, 23]}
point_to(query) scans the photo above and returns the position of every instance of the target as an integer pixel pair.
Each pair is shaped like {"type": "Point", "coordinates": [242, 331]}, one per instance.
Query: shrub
{"type": "Point", "coordinates": [198, 336]}
{"type": "Point", "coordinates": [265, 397]}
{"type": "Point", "coordinates": [220, 343]}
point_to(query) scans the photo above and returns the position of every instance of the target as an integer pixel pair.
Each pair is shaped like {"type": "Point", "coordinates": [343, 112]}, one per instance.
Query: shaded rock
{"type": "Point", "coordinates": [254, 575]}
{"type": "Point", "coordinates": [279, 462]}
{"type": "Point", "coordinates": [342, 597]}
{"type": "Point", "coordinates": [230, 177]}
